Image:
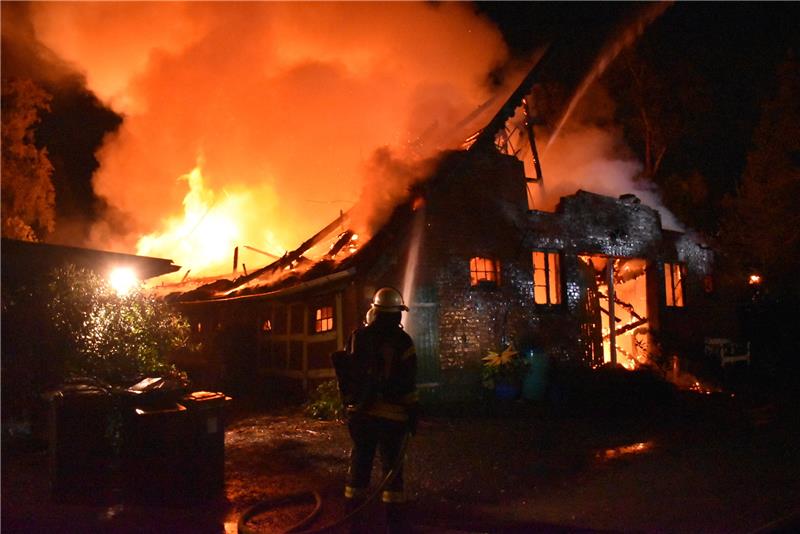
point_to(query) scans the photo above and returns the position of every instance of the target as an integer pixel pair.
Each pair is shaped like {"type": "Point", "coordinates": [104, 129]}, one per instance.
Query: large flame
{"type": "Point", "coordinates": [298, 109]}
{"type": "Point", "coordinates": [204, 237]}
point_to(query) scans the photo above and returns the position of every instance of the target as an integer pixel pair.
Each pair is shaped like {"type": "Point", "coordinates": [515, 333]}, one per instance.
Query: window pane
{"type": "Point", "coordinates": [484, 270]}
{"type": "Point", "coordinates": [678, 277]}
{"type": "Point", "coordinates": [555, 278]}
{"type": "Point", "coordinates": [668, 284]}
{"type": "Point", "coordinates": [539, 278]}
{"type": "Point", "coordinates": [323, 319]}
{"type": "Point", "coordinates": [673, 279]}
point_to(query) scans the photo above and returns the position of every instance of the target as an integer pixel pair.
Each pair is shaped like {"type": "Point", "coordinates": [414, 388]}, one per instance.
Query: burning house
{"type": "Point", "coordinates": [598, 280]}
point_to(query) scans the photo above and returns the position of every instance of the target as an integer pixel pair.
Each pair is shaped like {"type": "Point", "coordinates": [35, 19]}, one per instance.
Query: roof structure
{"type": "Point", "coordinates": [24, 261]}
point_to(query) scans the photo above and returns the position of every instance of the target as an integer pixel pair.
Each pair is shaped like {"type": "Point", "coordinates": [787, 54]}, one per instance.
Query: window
{"type": "Point", "coordinates": [323, 319]}
{"type": "Point", "coordinates": [546, 278]}
{"type": "Point", "coordinates": [673, 282]}
{"type": "Point", "coordinates": [484, 271]}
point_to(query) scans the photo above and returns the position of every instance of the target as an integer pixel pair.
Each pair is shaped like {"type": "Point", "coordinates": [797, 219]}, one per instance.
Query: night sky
{"type": "Point", "coordinates": [733, 49]}
{"type": "Point", "coordinates": [730, 49]}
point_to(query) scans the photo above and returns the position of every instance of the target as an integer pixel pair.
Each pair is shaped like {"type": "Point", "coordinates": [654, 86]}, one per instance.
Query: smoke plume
{"type": "Point", "coordinates": [588, 152]}
{"type": "Point", "coordinates": [276, 112]}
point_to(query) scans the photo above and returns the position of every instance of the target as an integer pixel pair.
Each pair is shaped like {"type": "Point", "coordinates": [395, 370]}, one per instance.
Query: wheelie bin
{"type": "Point", "coordinates": [80, 447]}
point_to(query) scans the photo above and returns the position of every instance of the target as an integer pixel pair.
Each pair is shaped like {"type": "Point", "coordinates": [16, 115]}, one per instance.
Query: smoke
{"type": "Point", "coordinates": [288, 108]}
{"type": "Point", "coordinates": [589, 153]}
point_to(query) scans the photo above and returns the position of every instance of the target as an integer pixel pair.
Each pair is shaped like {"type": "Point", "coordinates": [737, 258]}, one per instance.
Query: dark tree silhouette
{"type": "Point", "coordinates": [28, 196]}
{"type": "Point", "coordinates": [761, 228]}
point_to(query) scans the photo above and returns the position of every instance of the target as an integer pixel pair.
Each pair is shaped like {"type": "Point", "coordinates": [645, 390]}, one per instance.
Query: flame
{"type": "Point", "coordinates": [321, 105]}
{"type": "Point", "coordinates": [211, 226]}
{"type": "Point", "coordinates": [754, 279]}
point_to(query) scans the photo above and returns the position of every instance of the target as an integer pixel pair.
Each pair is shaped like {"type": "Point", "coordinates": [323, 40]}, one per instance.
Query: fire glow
{"type": "Point", "coordinates": [299, 110]}
{"type": "Point", "coordinates": [204, 237]}
{"type": "Point", "coordinates": [626, 450]}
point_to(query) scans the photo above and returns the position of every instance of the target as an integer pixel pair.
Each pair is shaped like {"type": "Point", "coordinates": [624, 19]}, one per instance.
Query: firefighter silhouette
{"type": "Point", "coordinates": [377, 380]}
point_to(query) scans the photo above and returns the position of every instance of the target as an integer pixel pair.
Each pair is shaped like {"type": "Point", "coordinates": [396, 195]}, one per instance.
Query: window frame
{"type": "Point", "coordinates": [553, 279]}
{"type": "Point", "coordinates": [489, 276]}
{"type": "Point", "coordinates": [673, 289]}
{"type": "Point", "coordinates": [323, 323]}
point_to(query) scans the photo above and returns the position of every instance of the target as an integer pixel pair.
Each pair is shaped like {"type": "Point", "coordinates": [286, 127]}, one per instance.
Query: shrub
{"type": "Point", "coordinates": [325, 402]}
{"type": "Point", "coordinates": [503, 367]}
{"type": "Point", "coordinates": [113, 338]}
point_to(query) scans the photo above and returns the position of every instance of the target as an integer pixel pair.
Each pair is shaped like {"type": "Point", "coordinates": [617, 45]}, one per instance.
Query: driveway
{"type": "Point", "coordinates": [702, 463]}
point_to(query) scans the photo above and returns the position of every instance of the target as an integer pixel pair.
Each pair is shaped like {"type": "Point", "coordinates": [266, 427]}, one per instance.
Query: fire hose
{"type": "Point", "coordinates": [263, 506]}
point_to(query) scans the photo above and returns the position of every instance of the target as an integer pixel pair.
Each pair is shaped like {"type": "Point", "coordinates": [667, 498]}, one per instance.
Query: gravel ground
{"type": "Point", "coordinates": [702, 464]}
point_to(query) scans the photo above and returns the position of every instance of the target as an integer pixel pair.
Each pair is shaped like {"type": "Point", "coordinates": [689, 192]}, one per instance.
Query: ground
{"type": "Point", "coordinates": [696, 463]}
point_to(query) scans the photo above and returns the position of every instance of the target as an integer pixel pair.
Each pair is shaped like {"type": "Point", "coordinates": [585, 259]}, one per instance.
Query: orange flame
{"type": "Point", "coordinates": [204, 237]}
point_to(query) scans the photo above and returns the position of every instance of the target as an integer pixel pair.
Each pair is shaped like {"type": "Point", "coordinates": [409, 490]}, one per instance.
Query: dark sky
{"type": "Point", "coordinates": [733, 48]}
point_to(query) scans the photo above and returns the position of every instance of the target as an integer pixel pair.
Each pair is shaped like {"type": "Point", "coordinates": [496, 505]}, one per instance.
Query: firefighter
{"type": "Point", "coordinates": [377, 378]}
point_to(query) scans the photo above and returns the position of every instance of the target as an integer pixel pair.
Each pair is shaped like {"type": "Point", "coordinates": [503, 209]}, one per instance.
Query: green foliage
{"type": "Point", "coordinates": [325, 402]}
{"type": "Point", "coordinates": [28, 195]}
{"type": "Point", "coordinates": [505, 366]}
{"type": "Point", "coordinates": [117, 339]}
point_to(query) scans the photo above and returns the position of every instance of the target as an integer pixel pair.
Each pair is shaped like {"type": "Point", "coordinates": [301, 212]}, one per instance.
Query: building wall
{"type": "Point", "coordinates": [474, 206]}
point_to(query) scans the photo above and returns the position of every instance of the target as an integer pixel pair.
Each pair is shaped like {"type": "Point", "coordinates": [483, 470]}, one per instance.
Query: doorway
{"type": "Point", "coordinates": [616, 325]}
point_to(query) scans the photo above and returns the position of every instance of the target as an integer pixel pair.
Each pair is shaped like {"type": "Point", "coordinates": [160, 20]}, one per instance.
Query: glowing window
{"type": "Point", "coordinates": [323, 319]}
{"type": "Point", "coordinates": [673, 283]}
{"type": "Point", "coordinates": [484, 271]}
{"type": "Point", "coordinates": [546, 278]}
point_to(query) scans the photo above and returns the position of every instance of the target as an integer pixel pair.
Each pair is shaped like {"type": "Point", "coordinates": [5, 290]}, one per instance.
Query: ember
{"type": "Point", "coordinates": [634, 448]}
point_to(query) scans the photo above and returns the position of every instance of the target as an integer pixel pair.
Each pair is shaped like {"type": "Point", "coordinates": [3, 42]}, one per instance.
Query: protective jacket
{"type": "Point", "coordinates": [377, 379]}
{"type": "Point", "coordinates": [377, 372]}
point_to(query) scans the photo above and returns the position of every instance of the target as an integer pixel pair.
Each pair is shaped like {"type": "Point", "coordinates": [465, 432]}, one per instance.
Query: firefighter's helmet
{"type": "Point", "coordinates": [388, 299]}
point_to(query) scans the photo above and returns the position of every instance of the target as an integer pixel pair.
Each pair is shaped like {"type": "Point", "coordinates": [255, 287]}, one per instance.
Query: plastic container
{"type": "Point", "coordinates": [206, 459]}
{"type": "Point", "coordinates": [80, 448]}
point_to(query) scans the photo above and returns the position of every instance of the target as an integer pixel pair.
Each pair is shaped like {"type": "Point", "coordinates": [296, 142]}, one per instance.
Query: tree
{"type": "Point", "coordinates": [118, 339]}
{"type": "Point", "coordinates": [761, 228]}
{"type": "Point", "coordinates": [660, 105]}
{"type": "Point", "coordinates": [28, 196]}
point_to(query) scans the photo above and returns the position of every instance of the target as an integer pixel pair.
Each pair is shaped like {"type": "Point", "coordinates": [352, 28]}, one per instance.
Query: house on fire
{"type": "Point", "coordinates": [598, 280]}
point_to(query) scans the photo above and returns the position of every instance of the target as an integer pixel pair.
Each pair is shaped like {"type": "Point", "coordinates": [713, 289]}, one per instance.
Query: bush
{"type": "Point", "coordinates": [325, 402]}
{"type": "Point", "coordinates": [113, 338]}
{"type": "Point", "coordinates": [505, 366]}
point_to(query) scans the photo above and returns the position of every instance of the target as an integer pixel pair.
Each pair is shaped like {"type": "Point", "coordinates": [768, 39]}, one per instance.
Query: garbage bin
{"type": "Point", "coordinates": [206, 457]}
{"type": "Point", "coordinates": [154, 453]}
{"type": "Point", "coordinates": [80, 448]}
{"type": "Point", "coordinates": [155, 444]}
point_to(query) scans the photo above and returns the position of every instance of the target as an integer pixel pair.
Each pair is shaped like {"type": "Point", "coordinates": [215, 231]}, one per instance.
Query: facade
{"type": "Point", "coordinates": [479, 271]}
{"type": "Point", "coordinates": [597, 281]}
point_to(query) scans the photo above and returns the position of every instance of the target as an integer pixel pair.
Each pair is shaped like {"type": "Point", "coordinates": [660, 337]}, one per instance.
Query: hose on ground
{"type": "Point", "coordinates": [263, 506]}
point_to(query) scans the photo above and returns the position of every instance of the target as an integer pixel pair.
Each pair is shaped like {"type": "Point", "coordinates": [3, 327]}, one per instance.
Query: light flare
{"type": "Point", "coordinates": [123, 280]}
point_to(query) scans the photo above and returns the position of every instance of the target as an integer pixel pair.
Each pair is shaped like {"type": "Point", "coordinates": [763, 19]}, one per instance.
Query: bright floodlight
{"type": "Point", "coordinates": [123, 280]}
